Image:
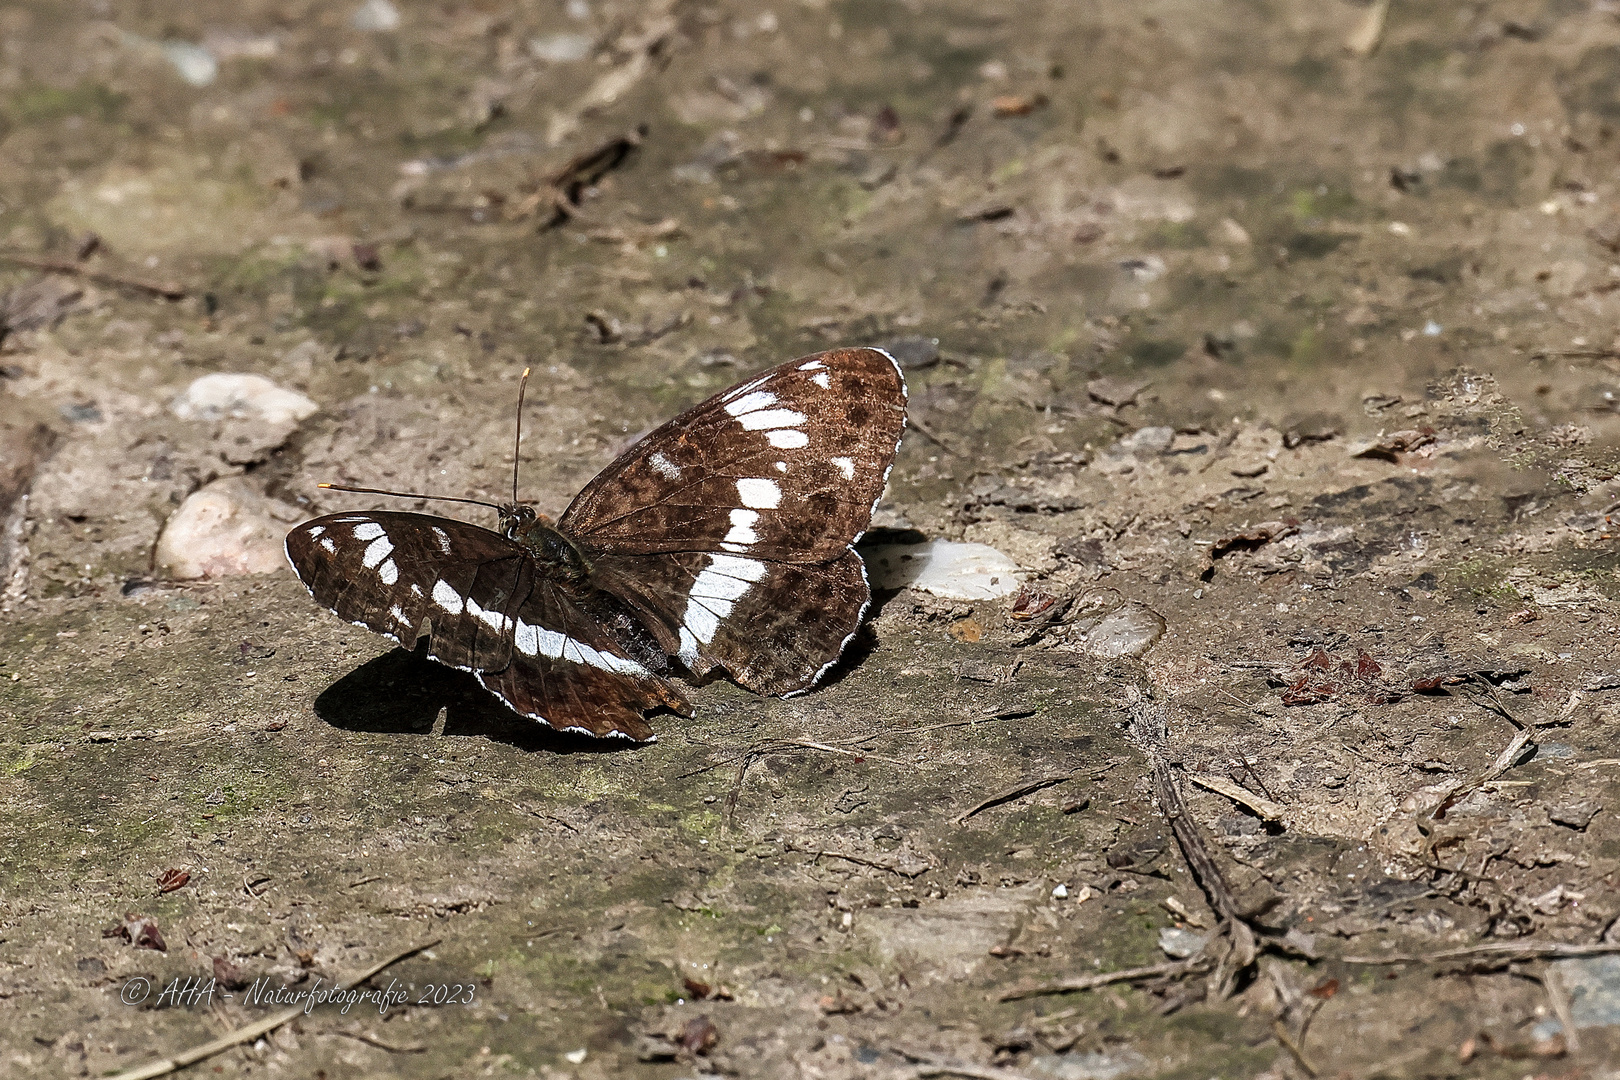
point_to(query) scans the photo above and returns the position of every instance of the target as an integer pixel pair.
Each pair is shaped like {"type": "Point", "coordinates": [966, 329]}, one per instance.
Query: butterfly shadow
{"type": "Point", "coordinates": [402, 693]}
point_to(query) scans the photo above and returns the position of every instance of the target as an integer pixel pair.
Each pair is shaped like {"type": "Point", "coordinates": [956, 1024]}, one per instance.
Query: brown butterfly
{"type": "Point", "coordinates": [723, 540]}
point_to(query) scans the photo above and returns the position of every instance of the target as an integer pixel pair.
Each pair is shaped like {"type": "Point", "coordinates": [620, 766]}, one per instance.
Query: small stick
{"type": "Point", "coordinates": [975, 1072]}
{"type": "Point", "coordinates": [1504, 761]}
{"type": "Point", "coordinates": [931, 437]}
{"type": "Point", "coordinates": [1018, 713]}
{"type": "Point", "coordinates": [1558, 998]}
{"type": "Point", "coordinates": [1016, 793]}
{"type": "Point", "coordinates": [1170, 969]}
{"type": "Point", "coordinates": [928, 1065]}
{"type": "Point", "coordinates": [856, 859]}
{"type": "Point", "coordinates": [372, 1040]}
{"type": "Point", "coordinates": [1292, 1047]}
{"type": "Point", "coordinates": [1015, 713]}
{"type": "Point", "coordinates": [808, 745]}
{"type": "Point", "coordinates": [167, 290]}
{"type": "Point", "coordinates": [1364, 39]}
{"type": "Point", "coordinates": [1506, 951]}
{"type": "Point", "coordinates": [1239, 794]}
{"type": "Point", "coordinates": [252, 1031]}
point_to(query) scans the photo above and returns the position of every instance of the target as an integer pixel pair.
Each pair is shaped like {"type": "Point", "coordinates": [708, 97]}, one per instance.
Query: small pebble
{"type": "Point", "coordinates": [224, 530]}
{"type": "Point", "coordinates": [375, 15]}
{"type": "Point", "coordinates": [230, 395]}
{"type": "Point", "coordinates": [945, 569]}
{"type": "Point", "coordinates": [1130, 631]}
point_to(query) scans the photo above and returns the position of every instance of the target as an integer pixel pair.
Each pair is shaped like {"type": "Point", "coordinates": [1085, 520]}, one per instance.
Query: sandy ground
{"type": "Point", "coordinates": [1288, 324]}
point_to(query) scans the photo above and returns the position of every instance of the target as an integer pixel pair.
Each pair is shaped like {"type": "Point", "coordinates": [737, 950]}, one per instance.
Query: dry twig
{"type": "Point", "coordinates": [1558, 999]}
{"type": "Point", "coordinates": [1267, 809]}
{"type": "Point", "coordinates": [1015, 793]}
{"type": "Point", "coordinates": [1505, 952]}
{"type": "Point", "coordinates": [1172, 969]}
{"type": "Point", "coordinates": [929, 1065]}
{"type": "Point", "coordinates": [166, 290]}
{"type": "Point", "coordinates": [1233, 939]}
{"type": "Point", "coordinates": [164, 1066]}
{"type": "Point", "coordinates": [858, 860]}
{"type": "Point", "coordinates": [372, 1040]}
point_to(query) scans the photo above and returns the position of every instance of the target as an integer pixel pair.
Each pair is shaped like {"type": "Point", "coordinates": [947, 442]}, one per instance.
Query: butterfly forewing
{"type": "Point", "coordinates": [783, 467]}
{"type": "Point", "coordinates": [489, 610]}
{"type": "Point", "coordinates": [730, 527]}
{"type": "Point", "coordinates": [391, 571]}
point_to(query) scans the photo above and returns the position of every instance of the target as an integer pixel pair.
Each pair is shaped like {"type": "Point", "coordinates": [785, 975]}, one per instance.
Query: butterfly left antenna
{"type": "Point", "coordinates": [517, 440]}
{"type": "Point", "coordinates": [408, 495]}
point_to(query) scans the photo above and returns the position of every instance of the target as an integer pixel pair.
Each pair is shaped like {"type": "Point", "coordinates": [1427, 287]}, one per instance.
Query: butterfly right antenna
{"type": "Point", "coordinates": [517, 439]}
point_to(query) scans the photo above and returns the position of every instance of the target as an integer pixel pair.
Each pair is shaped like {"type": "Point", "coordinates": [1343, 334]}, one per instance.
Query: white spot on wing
{"type": "Point", "coordinates": [663, 466]}
{"type": "Point", "coordinates": [724, 581]}
{"type": "Point", "coordinates": [760, 399]}
{"type": "Point", "coordinates": [845, 466]}
{"type": "Point", "coordinates": [742, 527]}
{"type": "Point", "coordinates": [702, 622]}
{"type": "Point", "coordinates": [747, 387]}
{"type": "Point", "coordinates": [416, 590]}
{"type": "Point", "coordinates": [781, 466]}
{"type": "Point", "coordinates": [538, 641]}
{"type": "Point", "coordinates": [742, 569]}
{"type": "Point", "coordinates": [377, 550]}
{"type": "Point", "coordinates": [688, 652]}
{"type": "Point", "coordinates": [787, 438]}
{"type": "Point", "coordinates": [811, 365]}
{"type": "Point", "coordinates": [446, 597]}
{"type": "Point", "coordinates": [822, 379]}
{"type": "Point", "coordinates": [398, 613]}
{"type": "Point", "coordinates": [770, 418]}
{"type": "Point", "coordinates": [326, 542]}
{"type": "Point", "coordinates": [493, 619]}
{"type": "Point", "coordinates": [316, 531]}
{"type": "Point", "coordinates": [759, 494]}
{"type": "Point", "coordinates": [443, 538]}
{"type": "Point", "coordinates": [388, 572]}
{"type": "Point", "coordinates": [369, 531]}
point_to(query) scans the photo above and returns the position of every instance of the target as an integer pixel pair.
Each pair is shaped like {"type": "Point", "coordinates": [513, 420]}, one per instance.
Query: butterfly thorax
{"type": "Point", "coordinates": [555, 553]}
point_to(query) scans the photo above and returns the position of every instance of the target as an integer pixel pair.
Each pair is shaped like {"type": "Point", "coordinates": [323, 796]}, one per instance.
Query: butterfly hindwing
{"type": "Point", "coordinates": [774, 627]}
{"type": "Point", "coordinates": [785, 467]}
{"type": "Point", "coordinates": [569, 672]}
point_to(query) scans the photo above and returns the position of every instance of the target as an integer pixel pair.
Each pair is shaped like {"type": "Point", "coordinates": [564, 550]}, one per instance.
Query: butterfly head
{"type": "Point", "coordinates": [517, 519]}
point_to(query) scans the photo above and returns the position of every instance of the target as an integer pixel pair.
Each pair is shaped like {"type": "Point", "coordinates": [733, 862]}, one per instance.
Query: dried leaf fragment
{"type": "Point", "coordinates": [172, 879]}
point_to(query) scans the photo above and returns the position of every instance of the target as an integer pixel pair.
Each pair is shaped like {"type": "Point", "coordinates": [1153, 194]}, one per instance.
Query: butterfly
{"type": "Point", "coordinates": [722, 542]}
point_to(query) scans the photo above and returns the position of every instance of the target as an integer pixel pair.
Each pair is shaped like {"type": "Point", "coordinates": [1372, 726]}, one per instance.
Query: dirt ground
{"type": "Point", "coordinates": [1292, 324]}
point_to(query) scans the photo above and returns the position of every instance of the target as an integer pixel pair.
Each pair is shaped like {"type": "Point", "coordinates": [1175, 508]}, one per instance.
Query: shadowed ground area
{"type": "Point", "coordinates": [1288, 329]}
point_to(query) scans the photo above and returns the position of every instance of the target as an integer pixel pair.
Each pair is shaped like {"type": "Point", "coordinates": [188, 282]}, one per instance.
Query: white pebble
{"type": "Point", "coordinates": [1128, 631]}
{"type": "Point", "coordinates": [225, 395]}
{"type": "Point", "coordinates": [224, 530]}
{"type": "Point", "coordinates": [375, 15]}
{"type": "Point", "coordinates": [944, 568]}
